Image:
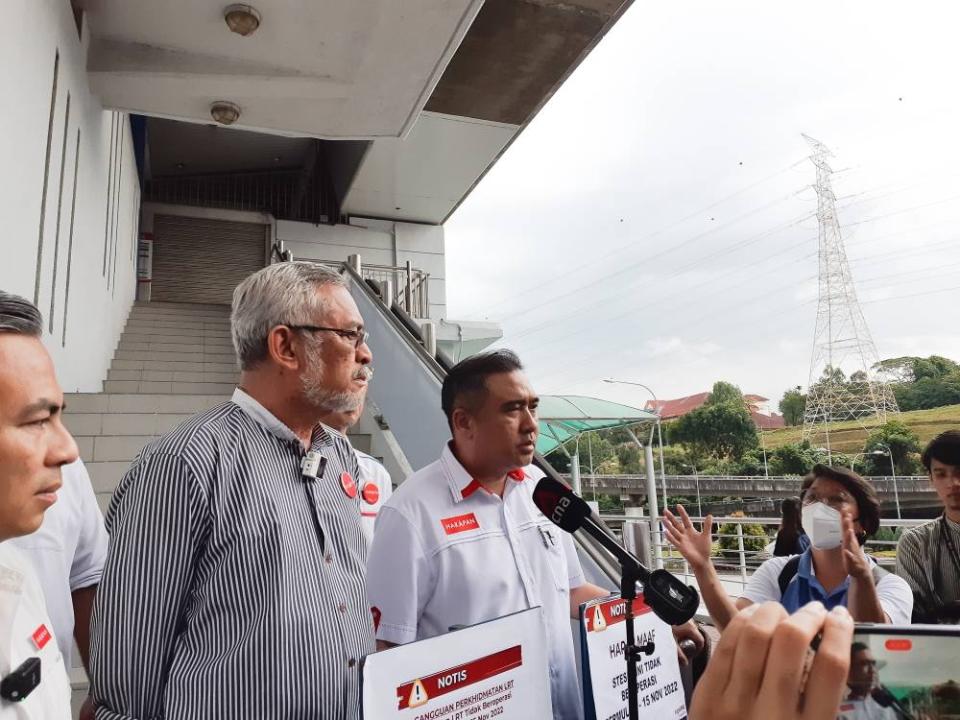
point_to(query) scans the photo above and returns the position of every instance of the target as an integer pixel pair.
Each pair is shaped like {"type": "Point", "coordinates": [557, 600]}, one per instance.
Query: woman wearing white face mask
{"type": "Point", "coordinates": [840, 511]}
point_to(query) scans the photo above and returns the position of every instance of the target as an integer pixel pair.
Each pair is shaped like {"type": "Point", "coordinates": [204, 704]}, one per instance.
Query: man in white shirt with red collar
{"type": "Point", "coordinates": [461, 541]}
{"type": "Point", "coordinates": [34, 446]}
{"type": "Point", "coordinates": [374, 481]}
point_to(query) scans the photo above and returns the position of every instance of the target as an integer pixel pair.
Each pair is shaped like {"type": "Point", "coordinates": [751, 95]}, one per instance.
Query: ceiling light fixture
{"type": "Point", "coordinates": [224, 112]}
{"type": "Point", "coordinates": [242, 19]}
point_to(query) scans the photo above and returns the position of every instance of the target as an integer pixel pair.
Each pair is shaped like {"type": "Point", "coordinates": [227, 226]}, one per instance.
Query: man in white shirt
{"type": "Point", "coordinates": [461, 541]}
{"type": "Point", "coordinates": [374, 481]}
{"type": "Point", "coordinates": [862, 681]}
{"type": "Point", "coordinates": [67, 554]}
{"type": "Point", "coordinates": [34, 446]}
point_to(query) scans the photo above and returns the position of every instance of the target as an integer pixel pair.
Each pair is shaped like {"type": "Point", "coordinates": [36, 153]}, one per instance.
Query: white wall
{"type": "Point", "coordinates": [378, 242]}
{"type": "Point", "coordinates": [33, 31]}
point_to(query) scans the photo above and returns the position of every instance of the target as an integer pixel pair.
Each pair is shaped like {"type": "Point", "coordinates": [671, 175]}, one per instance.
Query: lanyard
{"type": "Point", "coordinates": [947, 534]}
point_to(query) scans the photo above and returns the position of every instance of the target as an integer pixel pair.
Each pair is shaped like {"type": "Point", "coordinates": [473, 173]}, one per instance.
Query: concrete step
{"type": "Point", "coordinates": [179, 344]}
{"type": "Point", "coordinates": [180, 306]}
{"type": "Point", "coordinates": [154, 330]}
{"type": "Point", "coordinates": [157, 339]}
{"type": "Point", "coordinates": [164, 404]}
{"type": "Point", "coordinates": [178, 313]}
{"type": "Point", "coordinates": [185, 309]}
{"type": "Point", "coordinates": [112, 424]}
{"type": "Point", "coordinates": [173, 375]}
{"type": "Point", "coordinates": [186, 324]}
{"type": "Point", "coordinates": [157, 387]}
{"type": "Point", "coordinates": [198, 355]}
{"type": "Point", "coordinates": [174, 365]}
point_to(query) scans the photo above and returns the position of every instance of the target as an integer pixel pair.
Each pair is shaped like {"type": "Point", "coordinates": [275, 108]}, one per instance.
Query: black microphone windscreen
{"type": "Point", "coordinates": [560, 504]}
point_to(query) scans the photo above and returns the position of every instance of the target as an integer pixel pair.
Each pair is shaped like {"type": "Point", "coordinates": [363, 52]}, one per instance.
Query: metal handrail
{"type": "Point", "coordinates": [733, 562]}
{"type": "Point", "coordinates": [412, 285]}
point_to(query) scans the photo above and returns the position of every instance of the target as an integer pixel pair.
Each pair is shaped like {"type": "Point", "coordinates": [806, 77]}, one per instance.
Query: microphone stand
{"type": "Point", "coordinates": [628, 593]}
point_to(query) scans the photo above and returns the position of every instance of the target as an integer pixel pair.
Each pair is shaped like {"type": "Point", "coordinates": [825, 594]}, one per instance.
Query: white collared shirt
{"type": "Point", "coordinates": [68, 551]}
{"type": "Point", "coordinates": [375, 489]}
{"type": "Point", "coordinates": [447, 553]}
{"type": "Point", "coordinates": [25, 632]}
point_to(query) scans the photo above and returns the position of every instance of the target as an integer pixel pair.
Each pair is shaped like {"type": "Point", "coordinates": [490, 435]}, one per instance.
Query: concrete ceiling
{"type": "Point", "coordinates": [514, 57]}
{"type": "Point", "coordinates": [516, 54]}
{"type": "Point", "coordinates": [332, 69]}
{"type": "Point", "coordinates": [421, 177]}
{"type": "Point", "coordinates": [432, 91]}
{"type": "Point", "coordinates": [178, 148]}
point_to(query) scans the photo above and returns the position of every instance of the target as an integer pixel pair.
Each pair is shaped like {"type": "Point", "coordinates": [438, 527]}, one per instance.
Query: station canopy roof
{"type": "Point", "coordinates": [564, 417]}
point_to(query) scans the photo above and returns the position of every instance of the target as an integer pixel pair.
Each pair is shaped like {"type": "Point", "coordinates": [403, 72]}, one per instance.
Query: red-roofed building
{"type": "Point", "coordinates": [763, 418]}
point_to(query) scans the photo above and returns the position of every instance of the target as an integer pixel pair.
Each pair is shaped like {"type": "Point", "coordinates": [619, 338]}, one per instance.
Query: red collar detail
{"type": "Point", "coordinates": [519, 475]}
{"type": "Point", "coordinates": [470, 489]}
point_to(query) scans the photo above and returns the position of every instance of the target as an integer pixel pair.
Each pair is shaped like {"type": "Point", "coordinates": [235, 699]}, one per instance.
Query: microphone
{"type": "Point", "coordinates": [670, 599]}
{"type": "Point", "coordinates": [886, 699]}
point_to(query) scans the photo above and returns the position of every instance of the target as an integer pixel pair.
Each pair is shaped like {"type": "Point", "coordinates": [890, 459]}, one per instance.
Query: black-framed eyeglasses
{"type": "Point", "coordinates": [837, 502]}
{"type": "Point", "coordinates": [357, 337]}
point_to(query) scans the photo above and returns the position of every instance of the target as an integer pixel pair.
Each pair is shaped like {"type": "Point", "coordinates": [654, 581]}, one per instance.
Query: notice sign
{"type": "Point", "coordinates": [497, 669]}
{"type": "Point", "coordinates": [603, 637]}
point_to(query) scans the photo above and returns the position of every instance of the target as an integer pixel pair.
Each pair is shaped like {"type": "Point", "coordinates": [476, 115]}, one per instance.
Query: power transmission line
{"type": "Point", "coordinates": [842, 345]}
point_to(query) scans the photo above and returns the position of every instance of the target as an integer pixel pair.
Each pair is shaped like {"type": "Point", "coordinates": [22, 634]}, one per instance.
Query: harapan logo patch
{"type": "Point", "coordinates": [460, 523]}
{"type": "Point", "coordinates": [41, 636]}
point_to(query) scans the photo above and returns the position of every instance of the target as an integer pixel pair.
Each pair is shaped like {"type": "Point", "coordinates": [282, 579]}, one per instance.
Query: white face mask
{"type": "Point", "coordinates": [822, 523]}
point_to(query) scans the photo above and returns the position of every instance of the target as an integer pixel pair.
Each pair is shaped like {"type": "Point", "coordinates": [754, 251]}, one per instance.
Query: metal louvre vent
{"type": "Point", "coordinates": [196, 260]}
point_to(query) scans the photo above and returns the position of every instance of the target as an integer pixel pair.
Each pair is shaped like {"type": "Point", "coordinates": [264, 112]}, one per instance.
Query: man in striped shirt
{"type": "Point", "coordinates": [234, 584]}
{"type": "Point", "coordinates": [928, 556]}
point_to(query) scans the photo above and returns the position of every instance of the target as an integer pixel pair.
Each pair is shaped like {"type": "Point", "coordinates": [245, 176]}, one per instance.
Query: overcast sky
{"type": "Point", "coordinates": [656, 223]}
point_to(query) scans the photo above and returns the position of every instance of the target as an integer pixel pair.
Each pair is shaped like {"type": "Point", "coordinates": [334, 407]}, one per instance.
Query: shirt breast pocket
{"type": "Point", "coordinates": [543, 541]}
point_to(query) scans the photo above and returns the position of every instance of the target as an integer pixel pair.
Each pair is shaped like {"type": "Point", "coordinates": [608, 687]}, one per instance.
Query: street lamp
{"type": "Point", "coordinates": [656, 405]}
{"type": "Point", "coordinates": [893, 474]}
{"type": "Point", "coordinates": [696, 479]}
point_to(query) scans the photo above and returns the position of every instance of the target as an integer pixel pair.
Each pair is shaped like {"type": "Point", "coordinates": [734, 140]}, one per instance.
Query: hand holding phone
{"type": "Point", "coordinates": [908, 672]}
{"type": "Point", "coordinates": [757, 670]}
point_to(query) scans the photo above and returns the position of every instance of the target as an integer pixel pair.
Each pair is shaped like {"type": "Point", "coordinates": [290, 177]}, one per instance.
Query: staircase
{"type": "Point", "coordinates": [173, 361]}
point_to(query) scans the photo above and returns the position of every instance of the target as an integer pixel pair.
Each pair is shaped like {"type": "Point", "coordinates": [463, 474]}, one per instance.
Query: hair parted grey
{"type": "Point", "coordinates": [19, 316]}
{"type": "Point", "coordinates": [280, 294]}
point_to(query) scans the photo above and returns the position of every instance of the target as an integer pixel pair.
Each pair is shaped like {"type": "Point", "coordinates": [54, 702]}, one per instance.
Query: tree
{"type": "Point", "coordinates": [724, 392]}
{"type": "Point", "coordinates": [719, 431]}
{"type": "Point", "coordinates": [902, 442]}
{"type": "Point", "coordinates": [793, 459]}
{"type": "Point", "coordinates": [792, 406]}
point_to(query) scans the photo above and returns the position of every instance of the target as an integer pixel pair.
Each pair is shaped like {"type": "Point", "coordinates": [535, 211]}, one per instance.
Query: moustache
{"type": "Point", "coordinates": [364, 373]}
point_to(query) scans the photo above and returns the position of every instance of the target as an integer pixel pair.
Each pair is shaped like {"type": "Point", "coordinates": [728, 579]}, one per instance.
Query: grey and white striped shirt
{"type": "Point", "coordinates": [923, 560]}
{"type": "Point", "coordinates": [233, 588]}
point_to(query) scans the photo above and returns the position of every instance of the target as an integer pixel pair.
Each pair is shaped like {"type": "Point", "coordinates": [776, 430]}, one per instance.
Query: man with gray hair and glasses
{"type": "Point", "coordinates": [234, 585]}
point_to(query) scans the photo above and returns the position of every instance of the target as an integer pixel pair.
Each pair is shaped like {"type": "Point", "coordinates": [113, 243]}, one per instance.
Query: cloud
{"type": "Point", "coordinates": [656, 218]}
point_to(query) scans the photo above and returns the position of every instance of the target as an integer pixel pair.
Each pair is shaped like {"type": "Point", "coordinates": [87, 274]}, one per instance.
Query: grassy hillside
{"type": "Point", "coordinates": [849, 437]}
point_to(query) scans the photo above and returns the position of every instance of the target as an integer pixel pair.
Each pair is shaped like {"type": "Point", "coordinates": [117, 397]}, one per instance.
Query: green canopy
{"type": "Point", "coordinates": [564, 417]}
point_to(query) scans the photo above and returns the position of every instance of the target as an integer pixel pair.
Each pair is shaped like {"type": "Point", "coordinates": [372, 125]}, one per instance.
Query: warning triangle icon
{"type": "Point", "coordinates": [418, 695]}
{"type": "Point", "coordinates": [599, 623]}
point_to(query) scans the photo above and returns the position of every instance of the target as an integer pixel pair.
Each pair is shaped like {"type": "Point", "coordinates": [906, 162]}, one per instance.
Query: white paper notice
{"type": "Point", "coordinates": [604, 638]}
{"type": "Point", "coordinates": [497, 669]}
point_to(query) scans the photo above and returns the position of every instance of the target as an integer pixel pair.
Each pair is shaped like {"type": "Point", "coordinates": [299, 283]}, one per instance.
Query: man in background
{"type": "Point", "coordinates": [374, 481]}
{"type": "Point", "coordinates": [928, 556]}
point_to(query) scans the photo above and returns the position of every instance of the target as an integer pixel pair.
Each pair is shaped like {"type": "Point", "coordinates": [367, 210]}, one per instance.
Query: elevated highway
{"type": "Point", "coordinates": [915, 493]}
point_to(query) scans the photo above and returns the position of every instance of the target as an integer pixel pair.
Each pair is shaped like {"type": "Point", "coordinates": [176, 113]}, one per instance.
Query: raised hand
{"type": "Point", "coordinates": [854, 561]}
{"type": "Point", "coordinates": [757, 669]}
{"type": "Point", "coordinates": [694, 546]}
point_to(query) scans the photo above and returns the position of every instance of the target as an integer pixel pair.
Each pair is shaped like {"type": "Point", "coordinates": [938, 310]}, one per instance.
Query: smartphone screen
{"type": "Point", "coordinates": [903, 673]}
